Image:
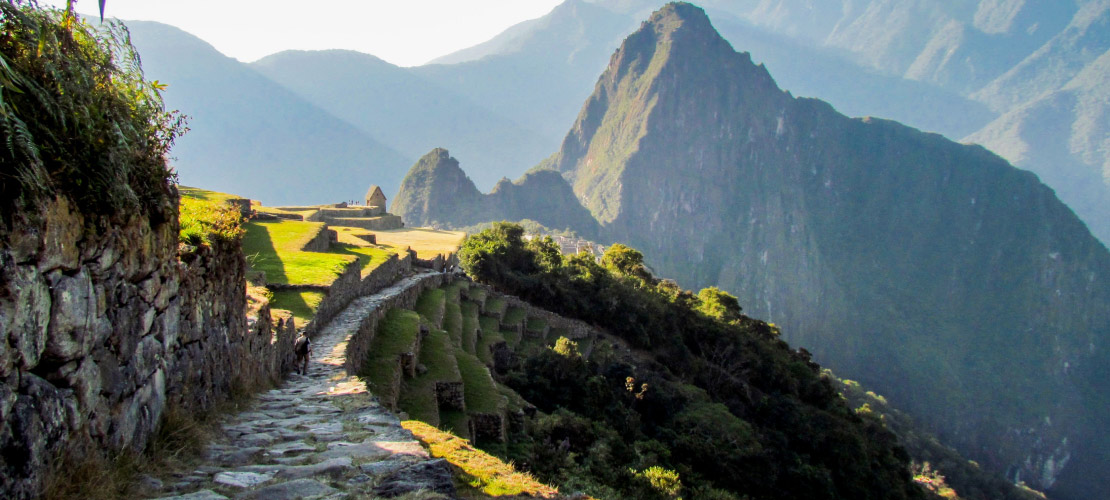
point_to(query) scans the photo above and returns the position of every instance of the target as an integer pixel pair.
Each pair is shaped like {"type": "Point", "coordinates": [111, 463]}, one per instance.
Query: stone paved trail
{"type": "Point", "coordinates": [320, 435]}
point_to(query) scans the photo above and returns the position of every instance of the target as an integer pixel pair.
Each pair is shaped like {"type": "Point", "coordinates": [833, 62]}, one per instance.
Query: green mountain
{"type": "Point", "coordinates": [437, 192]}
{"type": "Point", "coordinates": [250, 135]}
{"type": "Point", "coordinates": [935, 272]}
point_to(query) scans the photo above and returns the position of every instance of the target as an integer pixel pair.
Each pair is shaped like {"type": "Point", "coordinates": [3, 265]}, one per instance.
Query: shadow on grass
{"type": "Point", "coordinates": [261, 254]}
{"type": "Point", "coordinates": [347, 249]}
{"type": "Point", "coordinates": [302, 303]}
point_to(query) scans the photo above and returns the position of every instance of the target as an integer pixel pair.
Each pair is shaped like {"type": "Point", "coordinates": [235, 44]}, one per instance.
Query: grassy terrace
{"type": "Point", "coordinates": [485, 473]}
{"type": "Point", "coordinates": [481, 394]}
{"type": "Point", "coordinates": [430, 305]}
{"type": "Point", "coordinates": [418, 396]}
{"type": "Point", "coordinates": [512, 337]}
{"type": "Point", "coordinates": [275, 247]}
{"type": "Point", "coordinates": [426, 242]}
{"type": "Point", "coordinates": [478, 294]}
{"type": "Point", "coordinates": [204, 194]}
{"type": "Point", "coordinates": [302, 303]}
{"type": "Point", "coordinates": [470, 325]}
{"type": "Point", "coordinates": [396, 334]}
{"type": "Point", "coordinates": [488, 338]}
{"type": "Point", "coordinates": [495, 306]}
{"type": "Point", "coordinates": [536, 324]}
{"type": "Point", "coordinates": [514, 315]}
{"type": "Point", "coordinates": [453, 322]}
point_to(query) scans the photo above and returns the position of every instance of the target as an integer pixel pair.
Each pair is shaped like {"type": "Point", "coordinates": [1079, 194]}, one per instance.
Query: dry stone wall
{"type": "Point", "coordinates": [575, 329]}
{"type": "Point", "coordinates": [351, 285]}
{"type": "Point", "coordinates": [322, 241]}
{"type": "Point", "coordinates": [104, 329]}
{"type": "Point", "coordinates": [359, 344]}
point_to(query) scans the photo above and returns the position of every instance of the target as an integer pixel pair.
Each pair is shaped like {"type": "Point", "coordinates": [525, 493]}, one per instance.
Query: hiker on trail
{"type": "Point", "coordinates": [303, 349]}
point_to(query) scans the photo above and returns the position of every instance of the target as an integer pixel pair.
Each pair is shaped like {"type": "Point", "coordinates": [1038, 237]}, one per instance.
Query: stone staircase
{"type": "Point", "coordinates": [320, 435]}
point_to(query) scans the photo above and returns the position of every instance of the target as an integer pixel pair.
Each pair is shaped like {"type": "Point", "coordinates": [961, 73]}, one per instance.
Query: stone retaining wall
{"type": "Point", "coordinates": [450, 395]}
{"type": "Point", "coordinates": [103, 330]}
{"type": "Point", "coordinates": [351, 285]}
{"type": "Point", "coordinates": [376, 223]}
{"type": "Point", "coordinates": [575, 329]}
{"type": "Point", "coordinates": [322, 241]}
{"type": "Point", "coordinates": [404, 297]}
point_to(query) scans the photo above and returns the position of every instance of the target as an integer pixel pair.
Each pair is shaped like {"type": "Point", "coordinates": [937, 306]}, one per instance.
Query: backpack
{"type": "Point", "coordinates": [301, 347]}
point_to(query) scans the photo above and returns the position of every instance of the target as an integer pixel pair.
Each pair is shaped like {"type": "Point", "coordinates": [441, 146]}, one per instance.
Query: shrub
{"type": "Point", "coordinates": [78, 118]}
{"type": "Point", "coordinates": [206, 222]}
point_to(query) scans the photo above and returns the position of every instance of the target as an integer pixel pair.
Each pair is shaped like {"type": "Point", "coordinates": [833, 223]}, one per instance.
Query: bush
{"type": "Point", "coordinates": [78, 118]}
{"type": "Point", "coordinates": [205, 222]}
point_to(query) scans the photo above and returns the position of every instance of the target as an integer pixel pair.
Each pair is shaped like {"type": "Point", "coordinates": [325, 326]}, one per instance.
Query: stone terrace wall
{"type": "Point", "coordinates": [103, 331]}
{"type": "Point", "coordinates": [437, 263]}
{"type": "Point", "coordinates": [322, 241]}
{"type": "Point", "coordinates": [576, 329]}
{"type": "Point", "coordinates": [351, 285]}
{"type": "Point", "coordinates": [405, 298]}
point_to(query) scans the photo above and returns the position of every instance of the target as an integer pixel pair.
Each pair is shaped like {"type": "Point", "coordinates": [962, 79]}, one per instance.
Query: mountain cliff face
{"type": "Point", "coordinates": [436, 191]}
{"type": "Point", "coordinates": [935, 272]}
{"type": "Point", "coordinates": [1064, 137]}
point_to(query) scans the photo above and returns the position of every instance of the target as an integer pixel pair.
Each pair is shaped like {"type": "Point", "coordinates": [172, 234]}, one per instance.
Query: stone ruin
{"type": "Point", "coordinates": [371, 216]}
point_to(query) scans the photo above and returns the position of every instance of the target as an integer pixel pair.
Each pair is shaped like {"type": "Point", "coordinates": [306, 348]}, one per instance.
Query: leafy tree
{"type": "Point", "coordinates": [719, 304]}
{"type": "Point", "coordinates": [627, 262]}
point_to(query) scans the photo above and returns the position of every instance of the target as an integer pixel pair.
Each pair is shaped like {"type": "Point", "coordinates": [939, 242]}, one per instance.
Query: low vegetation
{"type": "Point", "coordinates": [80, 119]}
{"type": "Point", "coordinates": [483, 472]}
{"type": "Point", "coordinates": [707, 404]}
{"type": "Point", "coordinates": [206, 218]}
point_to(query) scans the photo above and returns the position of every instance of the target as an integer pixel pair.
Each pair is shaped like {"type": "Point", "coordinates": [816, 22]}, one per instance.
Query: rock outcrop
{"type": "Point", "coordinates": [437, 192]}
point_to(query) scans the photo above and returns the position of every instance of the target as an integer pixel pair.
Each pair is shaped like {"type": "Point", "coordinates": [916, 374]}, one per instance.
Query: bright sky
{"type": "Point", "coordinates": [403, 32]}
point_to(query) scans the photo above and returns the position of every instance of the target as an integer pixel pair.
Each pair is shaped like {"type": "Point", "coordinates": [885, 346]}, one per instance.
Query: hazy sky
{"type": "Point", "coordinates": [403, 32]}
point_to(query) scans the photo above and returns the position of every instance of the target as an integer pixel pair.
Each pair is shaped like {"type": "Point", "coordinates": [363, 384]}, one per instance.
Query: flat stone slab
{"type": "Point", "coordinates": [331, 467]}
{"type": "Point", "coordinates": [369, 451]}
{"type": "Point", "coordinates": [290, 448]}
{"type": "Point", "coordinates": [197, 495]}
{"type": "Point", "coordinates": [241, 479]}
{"type": "Point", "coordinates": [297, 489]}
{"type": "Point", "coordinates": [258, 439]}
{"type": "Point", "coordinates": [433, 475]}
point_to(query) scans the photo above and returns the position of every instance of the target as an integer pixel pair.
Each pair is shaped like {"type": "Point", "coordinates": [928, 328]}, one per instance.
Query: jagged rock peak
{"type": "Point", "coordinates": [436, 159]}
{"type": "Point", "coordinates": [436, 180]}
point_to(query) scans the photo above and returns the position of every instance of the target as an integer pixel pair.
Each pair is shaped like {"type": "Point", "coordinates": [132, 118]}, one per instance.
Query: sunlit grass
{"type": "Point", "coordinates": [302, 303]}
{"type": "Point", "coordinates": [481, 470]}
{"type": "Point", "coordinates": [426, 242]}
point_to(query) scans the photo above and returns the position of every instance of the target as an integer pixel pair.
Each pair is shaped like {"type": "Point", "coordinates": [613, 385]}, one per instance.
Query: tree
{"type": "Point", "coordinates": [719, 304]}
{"type": "Point", "coordinates": [628, 262]}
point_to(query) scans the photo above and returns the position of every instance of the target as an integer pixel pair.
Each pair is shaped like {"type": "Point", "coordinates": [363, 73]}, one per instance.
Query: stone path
{"type": "Point", "coordinates": [321, 435]}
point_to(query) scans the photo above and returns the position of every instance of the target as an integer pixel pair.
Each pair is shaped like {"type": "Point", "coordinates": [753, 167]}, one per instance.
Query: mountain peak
{"type": "Point", "coordinates": [659, 71]}
{"type": "Point", "coordinates": [685, 13]}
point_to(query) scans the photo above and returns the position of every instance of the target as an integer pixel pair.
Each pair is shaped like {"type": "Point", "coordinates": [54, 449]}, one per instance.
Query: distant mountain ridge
{"type": "Point", "coordinates": [404, 110]}
{"type": "Point", "coordinates": [250, 135]}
